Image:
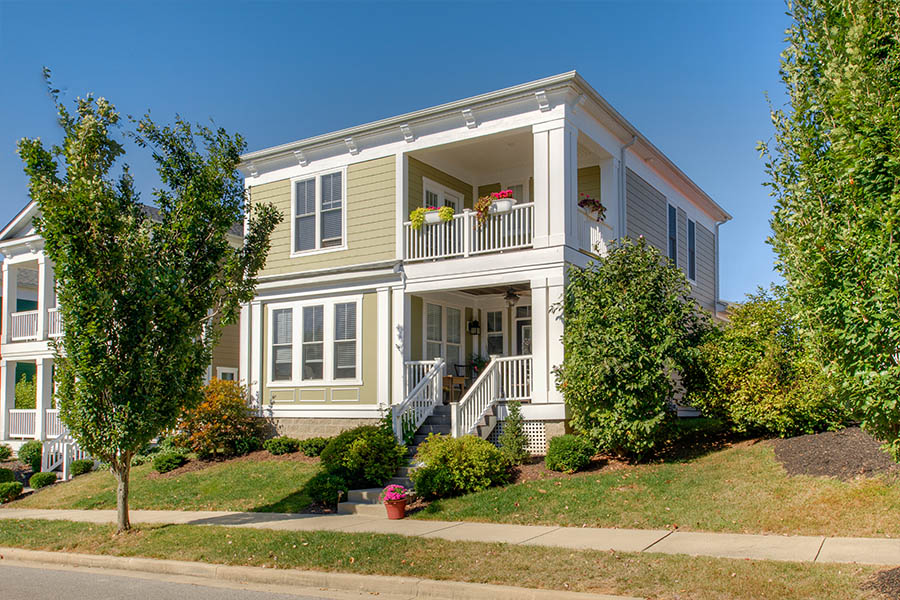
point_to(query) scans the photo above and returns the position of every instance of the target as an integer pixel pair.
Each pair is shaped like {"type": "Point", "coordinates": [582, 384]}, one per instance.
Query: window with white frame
{"type": "Point", "coordinates": [226, 373]}
{"type": "Point", "coordinates": [494, 334]}
{"type": "Point", "coordinates": [692, 250]}
{"type": "Point", "coordinates": [453, 352]}
{"type": "Point", "coordinates": [318, 207]}
{"type": "Point", "coordinates": [434, 331]}
{"type": "Point", "coordinates": [519, 191]}
{"type": "Point", "coordinates": [673, 234]}
{"type": "Point", "coordinates": [440, 195]}
{"type": "Point", "coordinates": [327, 336]}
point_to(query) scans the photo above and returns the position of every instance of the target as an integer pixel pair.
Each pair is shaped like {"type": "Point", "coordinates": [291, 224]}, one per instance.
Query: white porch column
{"type": "Point", "coordinates": [383, 311]}
{"type": "Point", "coordinates": [45, 295]}
{"type": "Point", "coordinates": [245, 350]}
{"type": "Point", "coordinates": [555, 290]}
{"type": "Point", "coordinates": [257, 339]}
{"type": "Point", "coordinates": [546, 333]}
{"type": "Point", "coordinates": [555, 182]}
{"type": "Point", "coordinates": [10, 293]}
{"type": "Point", "coordinates": [43, 380]}
{"type": "Point", "coordinates": [399, 342]}
{"type": "Point", "coordinates": [609, 193]}
{"type": "Point", "coordinates": [8, 392]}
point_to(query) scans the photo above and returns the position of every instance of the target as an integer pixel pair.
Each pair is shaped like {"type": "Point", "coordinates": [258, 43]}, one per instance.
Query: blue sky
{"type": "Point", "coordinates": [690, 75]}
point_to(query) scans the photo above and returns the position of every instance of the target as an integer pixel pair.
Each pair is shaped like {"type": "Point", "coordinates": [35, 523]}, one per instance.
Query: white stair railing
{"type": "Point", "coordinates": [60, 452]}
{"type": "Point", "coordinates": [504, 378]}
{"type": "Point", "coordinates": [409, 415]}
{"type": "Point", "coordinates": [415, 371]}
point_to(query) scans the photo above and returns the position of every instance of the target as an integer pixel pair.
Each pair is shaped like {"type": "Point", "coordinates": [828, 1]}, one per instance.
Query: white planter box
{"type": "Point", "coordinates": [432, 217]}
{"type": "Point", "coordinates": [502, 205]}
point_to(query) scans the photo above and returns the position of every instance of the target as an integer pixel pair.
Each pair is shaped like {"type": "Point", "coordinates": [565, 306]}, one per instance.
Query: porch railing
{"type": "Point", "coordinates": [595, 235]}
{"type": "Point", "coordinates": [23, 325]}
{"type": "Point", "coordinates": [505, 378]}
{"type": "Point", "coordinates": [54, 323]}
{"type": "Point", "coordinates": [21, 422]}
{"type": "Point", "coordinates": [418, 405]}
{"type": "Point", "coordinates": [415, 371]}
{"type": "Point", "coordinates": [60, 452]}
{"type": "Point", "coordinates": [52, 425]}
{"type": "Point", "coordinates": [463, 235]}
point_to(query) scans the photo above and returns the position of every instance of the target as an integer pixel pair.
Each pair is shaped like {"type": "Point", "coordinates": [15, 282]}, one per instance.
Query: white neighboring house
{"type": "Point", "coordinates": [358, 313]}
{"type": "Point", "coordinates": [30, 321]}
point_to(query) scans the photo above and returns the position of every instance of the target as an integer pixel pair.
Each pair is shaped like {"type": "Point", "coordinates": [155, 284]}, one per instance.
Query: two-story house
{"type": "Point", "coordinates": [29, 322]}
{"type": "Point", "coordinates": [358, 312]}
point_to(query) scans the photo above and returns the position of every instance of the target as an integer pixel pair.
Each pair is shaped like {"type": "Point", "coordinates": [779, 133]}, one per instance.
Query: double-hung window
{"type": "Point", "coordinates": [673, 234]}
{"type": "Point", "coordinates": [434, 331]}
{"type": "Point", "coordinates": [692, 250]}
{"type": "Point", "coordinates": [313, 358]}
{"type": "Point", "coordinates": [454, 338]}
{"type": "Point", "coordinates": [319, 212]}
{"type": "Point", "coordinates": [494, 332]}
{"type": "Point", "coordinates": [282, 346]}
{"type": "Point", "coordinates": [345, 340]}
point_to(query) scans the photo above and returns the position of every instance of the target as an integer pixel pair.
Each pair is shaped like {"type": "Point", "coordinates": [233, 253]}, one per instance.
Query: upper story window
{"type": "Point", "coordinates": [673, 234]}
{"type": "Point", "coordinates": [319, 218]}
{"type": "Point", "coordinates": [439, 195]}
{"type": "Point", "coordinates": [692, 250]}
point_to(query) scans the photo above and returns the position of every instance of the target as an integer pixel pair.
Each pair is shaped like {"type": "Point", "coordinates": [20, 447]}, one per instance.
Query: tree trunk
{"type": "Point", "coordinates": [122, 472]}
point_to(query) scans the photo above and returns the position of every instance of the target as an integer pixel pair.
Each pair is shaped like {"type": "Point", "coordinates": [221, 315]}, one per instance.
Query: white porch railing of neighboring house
{"type": "Point", "coordinates": [595, 235]}
{"type": "Point", "coordinates": [409, 415]}
{"type": "Point", "coordinates": [21, 422]}
{"type": "Point", "coordinates": [54, 323]}
{"type": "Point", "coordinates": [60, 452]}
{"type": "Point", "coordinates": [463, 235]}
{"type": "Point", "coordinates": [504, 378]}
{"type": "Point", "coordinates": [52, 425]}
{"type": "Point", "coordinates": [23, 325]}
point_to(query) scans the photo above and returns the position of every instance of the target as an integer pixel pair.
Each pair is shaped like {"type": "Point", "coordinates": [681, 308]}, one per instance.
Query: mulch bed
{"type": "Point", "coordinates": [886, 583]}
{"type": "Point", "coordinates": [844, 454]}
{"type": "Point", "coordinates": [258, 456]}
{"type": "Point", "coordinates": [535, 469]}
{"type": "Point", "coordinates": [21, 471]}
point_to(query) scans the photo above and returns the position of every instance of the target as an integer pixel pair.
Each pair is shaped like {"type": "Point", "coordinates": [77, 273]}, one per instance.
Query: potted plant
{"type": "Point", "coordinates": [430, 215]}
{"type": "Point", "coordinates": [395, 498]}
{"type": "Point", "coordinates": [503, 201]}
{"type": "Point", "coordinates": [592, 205]}
{"type": "Point", "coordinates": [482, 209]}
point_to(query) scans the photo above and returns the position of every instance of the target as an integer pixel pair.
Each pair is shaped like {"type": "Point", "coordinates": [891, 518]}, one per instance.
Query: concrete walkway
{"type": "Point", "coordinates": [820, 549]}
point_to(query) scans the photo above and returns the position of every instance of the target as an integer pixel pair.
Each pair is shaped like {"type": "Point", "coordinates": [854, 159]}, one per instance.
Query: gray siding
{"type": "Point", "coordinates": [646, 212]}
{"type": "Point", "coordinates": [682, 240]}
{"type": "Point", "coordinates": [705, 288]}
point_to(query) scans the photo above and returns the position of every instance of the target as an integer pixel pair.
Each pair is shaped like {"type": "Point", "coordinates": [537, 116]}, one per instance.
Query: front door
{"type": "Point", "coordinates": [523, 330]}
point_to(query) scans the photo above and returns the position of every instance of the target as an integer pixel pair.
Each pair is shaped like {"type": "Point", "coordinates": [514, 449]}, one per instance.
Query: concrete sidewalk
{"type": "Point", "coordinates": [820, 549]}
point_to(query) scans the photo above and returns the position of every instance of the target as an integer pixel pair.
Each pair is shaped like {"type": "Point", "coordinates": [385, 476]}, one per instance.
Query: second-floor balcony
{"type": "Point", "coordinates": [466, 235]}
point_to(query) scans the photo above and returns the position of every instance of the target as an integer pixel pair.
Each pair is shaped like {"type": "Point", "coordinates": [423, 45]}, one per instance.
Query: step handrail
{"type": "Point", "coordinates": [504, 378]}
{"type": "Point", "coordinates": [419, 404]}
{"type": "Point", "coordinates": [61, 451]}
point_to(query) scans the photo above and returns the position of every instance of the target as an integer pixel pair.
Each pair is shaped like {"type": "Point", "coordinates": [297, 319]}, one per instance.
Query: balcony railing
{"type": "Point", "coordinates": [23, 326]}
{"type": "Point", "coordinates": [463, 235]}
{"type": "Point", "coordinates": [595, 235]}
{"type": "Point", "coordinates": [54, 323]}
{"type": "Point", "coordinates": [21, 422]}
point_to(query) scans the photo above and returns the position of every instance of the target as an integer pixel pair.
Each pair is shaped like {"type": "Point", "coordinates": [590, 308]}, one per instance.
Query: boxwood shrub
{"type": "Point", "coordinates": [82, 466]}
{"type": "Point", "coordinates": [43, 479]}
{"type": "Point", "coordinates": [30, 454]}
{"type": "Point", "coordinates": [164, 462]}
{"type": "Point", "coordinates": [453, 466]}
{"type": "Point", "coordinates": [5, 452]}
{"type": "Point", "coordinates": [366, 456]}
{"type": "Point", "coordinates": [281, 445]}
{"type": "Point", "coordinates": [9, 491]}
{"type": "Point", "coordinates": [327, 488]}
{"type": "Point", "coordinates": [313, 446]}
{"type": "Point", "coordinates": [569, 453]}
{"type": "Point", "coordinates": [7, 475]}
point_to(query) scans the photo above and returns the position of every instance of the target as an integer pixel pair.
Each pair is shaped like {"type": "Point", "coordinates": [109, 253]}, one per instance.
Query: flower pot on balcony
{"type": "Point", "coordinates": [502, 205]}
{"type": "Point", "coordinates": [432, 217]}
{"type": "Point", "coordinates": [396, 509]}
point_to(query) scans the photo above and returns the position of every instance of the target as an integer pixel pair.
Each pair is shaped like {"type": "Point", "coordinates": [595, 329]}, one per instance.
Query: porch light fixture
{"type": "Point", "coordinates": [474, 327]}
{"type": "Point", "coordinates": [511, 297]}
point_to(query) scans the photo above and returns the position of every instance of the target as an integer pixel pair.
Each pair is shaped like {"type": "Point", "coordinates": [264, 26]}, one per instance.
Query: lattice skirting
{"type": "Point", "coordinates": [535, 430]}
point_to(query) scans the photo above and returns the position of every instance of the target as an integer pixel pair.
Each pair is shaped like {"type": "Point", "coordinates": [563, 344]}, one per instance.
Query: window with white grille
{"type": "Point", "coordinates": [318, 212]}
{"type": "Point", "coordinates": [345, 340]}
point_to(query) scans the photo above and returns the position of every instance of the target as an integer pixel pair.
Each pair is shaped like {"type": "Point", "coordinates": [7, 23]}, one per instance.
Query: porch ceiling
{"type": "Point", "coordinates": [498, 289]}
{"type": "Point", "coordinates": [484, 155]}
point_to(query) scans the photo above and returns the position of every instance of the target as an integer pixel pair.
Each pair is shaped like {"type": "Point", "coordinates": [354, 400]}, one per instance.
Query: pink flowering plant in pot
{"type": "Point", "coordinates": [592, 205]}
{"type": "Point", "coordinates": [395, 498]}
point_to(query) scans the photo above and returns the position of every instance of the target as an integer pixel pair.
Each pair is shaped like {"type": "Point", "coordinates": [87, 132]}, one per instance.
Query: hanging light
{"type": "Point", "coordinates": [511, 297]}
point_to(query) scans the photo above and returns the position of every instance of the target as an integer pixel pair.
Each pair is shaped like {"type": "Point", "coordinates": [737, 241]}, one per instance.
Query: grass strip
{"type": "Point", "coordinates": [655, 576]}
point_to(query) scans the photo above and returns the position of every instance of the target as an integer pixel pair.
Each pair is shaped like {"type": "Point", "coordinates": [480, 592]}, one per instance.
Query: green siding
{"type": "Point", "coordinates": [589, 182]}
{"type": "Point", "coordinates": [484, 190]}
{"type": "Point", "coordinates": [417, 170]}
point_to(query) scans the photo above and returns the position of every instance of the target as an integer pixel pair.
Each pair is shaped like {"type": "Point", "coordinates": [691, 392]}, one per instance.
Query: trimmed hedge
{"type": "Point", "coordinates": [455, 466]}
{"type": "Point", "coordinates": [7, 475]}
{"type": "Point", "coordinates": [30, 454]}
{"type": "Point", "coordinates": [569, 453]}
{"type": "Point", "coordinates": [9, 491]}
{"type": "Point", "coordinates": [82, 466]}
{"type": "Point", "coordinates": [366, 456]}
{"type": "Point", "coordinates": [281, 445]}
{"type": "Point", "coordinates": [43, 479]}
{"type": "Point", "coordinates": [168, 461]}
{"type": "Point", "coordinates": [327, 488]}
{"type": "Point", "coordinates": [5, 452]}
{"type": "Point", "coordinates": [314, 446]}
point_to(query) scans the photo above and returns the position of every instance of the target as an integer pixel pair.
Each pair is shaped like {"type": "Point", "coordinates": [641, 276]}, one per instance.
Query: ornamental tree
{"type": "Point", "coordinates": [630, 326]}
{"type": "Point", "coordinates": [834, 169]}
{"type": "Point", "coordinates": [142, 300]}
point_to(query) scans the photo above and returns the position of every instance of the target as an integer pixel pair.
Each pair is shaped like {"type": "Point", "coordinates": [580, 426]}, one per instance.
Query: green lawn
{"type": "Point", "coordinates": [261, 486]}
{"type": "Point", "coordinates": [646, 575]}
{"type": "Point", "coordinates": [738, 489]}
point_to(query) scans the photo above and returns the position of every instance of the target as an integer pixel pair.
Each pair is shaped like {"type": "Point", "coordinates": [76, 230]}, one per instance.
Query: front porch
{"type": "Point", "coordinates": [28, 411]}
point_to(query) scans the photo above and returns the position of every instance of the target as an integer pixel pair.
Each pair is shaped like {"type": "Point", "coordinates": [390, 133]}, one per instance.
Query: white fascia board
{"type": "Point", "coordinates": [16, 246]}
{"type": "Point", "coordinates": [325, 276]}
{"type": "Point", "coordinates": [28, 212]}
{"type": "Point", "coordinates": [544, 412]}
{"type": "Point", "coordinates": [483, 271]}
{"type": "Point", "coordinates": [304, 289]}
{"type": "Point", "coordinates": [22, 351]}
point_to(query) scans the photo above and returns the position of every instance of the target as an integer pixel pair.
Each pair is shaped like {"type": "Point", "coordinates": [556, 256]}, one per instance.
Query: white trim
{"type": "Point", "coordinates": [495, 306]}
{"type": "Point", "coordinates": [444, 329]}
{"type": "Point", "coordinates": [444, 194]}
{"type": "Point", "coordinates": [317, 176]}
{"type": "Point", "coordinates": [227, 370]}
{"type": "Point", "coordinates": [328, 380]}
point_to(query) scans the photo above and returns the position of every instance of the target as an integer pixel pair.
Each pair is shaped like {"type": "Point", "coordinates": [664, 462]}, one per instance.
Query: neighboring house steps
{"type": "Point", "coordinates": [59, 453]}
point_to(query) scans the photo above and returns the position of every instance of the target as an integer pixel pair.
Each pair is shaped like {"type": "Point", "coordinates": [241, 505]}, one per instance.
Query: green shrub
{"type": "Point", "coordinates": [569, 453]}
{"type": "Point", "coordinates": [281, 445]}
{"type": "Point", "coordinates": [223, 424]}
{"type": "Point", "coordinates": [366, 456]}
{"type": "Point", "coordinates": [7, 475]}
{"type": "Point", "coordinates": [453, 466]}
{"type": "Point", "coordinates": [630, 322]}
{"type": "Point", "coordinates": [80, 467]}
{"type": "Point", "coordinates": [163, 462]}
{"type": "Point", "coordinates": [25, 393]}
{"type": "Point", "coordinates": [513, 441]}
{"type": "Point", "coordinates": [327, 488]}
{"type": "Point", "coordinates": [30, 454]}
{"type": "Point", "coordinates": [43, 479]}
{"type": "Point", "coordinates": [139, 459]}
{"type": "Point", "coordinates": [9, 491]}
{"type": "Point", "coordinates": [5, 452]}
{"type": "Point", "coordinates": [313, 446]}
{"type": "Point", "coordinates": [760, 377]}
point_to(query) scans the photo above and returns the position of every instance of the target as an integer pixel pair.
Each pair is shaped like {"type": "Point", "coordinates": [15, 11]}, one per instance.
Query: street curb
{"type": "Point", "coordinates": [408, 587]}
